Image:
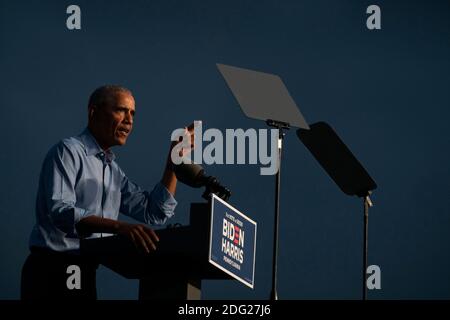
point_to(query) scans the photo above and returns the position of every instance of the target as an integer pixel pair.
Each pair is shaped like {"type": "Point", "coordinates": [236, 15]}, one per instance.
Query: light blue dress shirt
{"type": "Point", "coordinates": [78, 179]}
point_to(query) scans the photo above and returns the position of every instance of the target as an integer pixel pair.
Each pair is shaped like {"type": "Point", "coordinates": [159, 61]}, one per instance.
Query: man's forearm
{"type": "Point", "coordinates": [169, 179]}
{"type": "Point", "coordinates": [94, 224]}
{"type": "Point", "coordinates": [143, 237]}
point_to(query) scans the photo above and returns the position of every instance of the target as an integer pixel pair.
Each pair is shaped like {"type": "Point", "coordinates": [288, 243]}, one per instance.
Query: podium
{"type": "Point", "coordinates": [175, 270]}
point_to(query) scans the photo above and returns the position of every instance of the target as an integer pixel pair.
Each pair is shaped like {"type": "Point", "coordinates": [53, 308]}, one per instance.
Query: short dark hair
{"type": "Point", "coordinates": [101, 95]}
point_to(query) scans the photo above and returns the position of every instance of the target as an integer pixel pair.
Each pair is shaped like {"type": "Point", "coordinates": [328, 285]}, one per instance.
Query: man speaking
{"type": "Point", "coordinates": [81, 192]}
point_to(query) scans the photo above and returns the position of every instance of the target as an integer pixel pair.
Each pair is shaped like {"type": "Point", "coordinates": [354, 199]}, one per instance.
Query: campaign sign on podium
{"type": "Point", "coordinates": [232, 244]}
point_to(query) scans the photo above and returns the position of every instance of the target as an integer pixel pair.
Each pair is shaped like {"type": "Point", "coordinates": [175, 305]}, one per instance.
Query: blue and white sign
{"type": "Point", "coordinates": [232, 244]}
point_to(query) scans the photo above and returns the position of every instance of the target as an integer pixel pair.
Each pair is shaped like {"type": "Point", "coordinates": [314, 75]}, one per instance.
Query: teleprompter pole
{"type": "Point", "coordinates": [280, 126]}
{"type": "Point", "coordinates": [367, 204]}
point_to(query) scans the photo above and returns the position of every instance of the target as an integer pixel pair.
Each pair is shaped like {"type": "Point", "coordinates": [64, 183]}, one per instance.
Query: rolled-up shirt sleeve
{"type": "Point", "coordinates": [153, 207]}
{"type": "Point", "coordinates": [59, 176]}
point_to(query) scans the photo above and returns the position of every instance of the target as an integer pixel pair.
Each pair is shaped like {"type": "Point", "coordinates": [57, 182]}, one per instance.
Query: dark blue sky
{"type": "Point", "coordinates": [385, 92]}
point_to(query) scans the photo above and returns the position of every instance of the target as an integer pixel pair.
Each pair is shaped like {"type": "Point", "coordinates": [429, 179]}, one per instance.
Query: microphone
{"type": "Point", "coordinates": [194, 176]}
{"type": "Point", "coordinates": [190, 174]}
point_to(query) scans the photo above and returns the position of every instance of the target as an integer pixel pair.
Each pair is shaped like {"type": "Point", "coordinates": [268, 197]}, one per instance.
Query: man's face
{"type": "Point", "coordinates": [113, 122]}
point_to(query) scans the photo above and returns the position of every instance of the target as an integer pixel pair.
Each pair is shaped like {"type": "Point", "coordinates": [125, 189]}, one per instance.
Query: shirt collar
{"type": "Point", "coordinates": [92, 147]}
